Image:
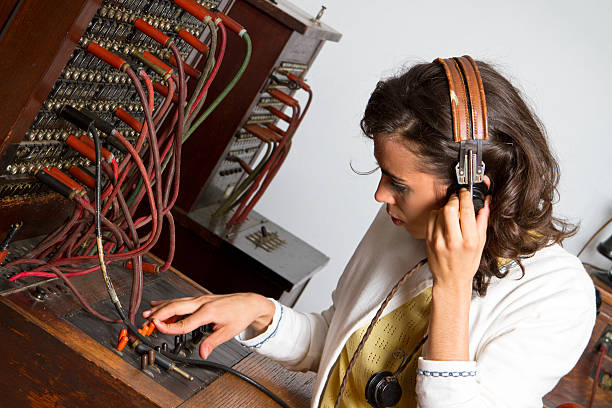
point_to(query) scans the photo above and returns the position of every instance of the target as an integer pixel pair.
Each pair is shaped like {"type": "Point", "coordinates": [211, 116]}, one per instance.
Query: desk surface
{"type": "Point", "coordinates": [294, 388]}
{"type": "Point", "coordinates": [48, 359]}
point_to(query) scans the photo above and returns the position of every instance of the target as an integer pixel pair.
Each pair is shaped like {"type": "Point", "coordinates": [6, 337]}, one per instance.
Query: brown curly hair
{"type": "Point", "coordinates": [523, 171]}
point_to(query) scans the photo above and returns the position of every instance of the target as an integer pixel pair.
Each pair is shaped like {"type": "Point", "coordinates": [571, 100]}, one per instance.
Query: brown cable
{"type": "Point", "coordinates": [371, 327]}
{"type": "Point", "coordinates": [605, 224]}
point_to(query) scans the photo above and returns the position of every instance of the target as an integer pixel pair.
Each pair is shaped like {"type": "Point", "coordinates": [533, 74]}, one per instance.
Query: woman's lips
{"type": "Point", "coordinates": [395, 220]}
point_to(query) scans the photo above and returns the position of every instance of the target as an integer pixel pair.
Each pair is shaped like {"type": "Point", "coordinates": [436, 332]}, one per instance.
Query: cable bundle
{"type": "Point", "coordinates": [105, 221]}
{"type": "Point", "coordinates": [278, 143]}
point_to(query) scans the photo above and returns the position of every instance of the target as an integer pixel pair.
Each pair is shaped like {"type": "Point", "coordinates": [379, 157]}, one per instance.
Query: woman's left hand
{"type": "Point", "coordinates": [455, 241]}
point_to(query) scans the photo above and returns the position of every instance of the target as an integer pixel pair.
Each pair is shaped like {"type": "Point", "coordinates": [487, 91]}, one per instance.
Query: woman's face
{"type": "Point", "coordinates": [409, 193]}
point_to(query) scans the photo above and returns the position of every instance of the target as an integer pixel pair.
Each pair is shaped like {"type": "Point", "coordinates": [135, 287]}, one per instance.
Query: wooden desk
{"type": "Point", "coordinates": [50, 358]}
{"type": "Point", "coordinates": [228, 391]}
{"type": "Point", "coordinates": [577, 385]}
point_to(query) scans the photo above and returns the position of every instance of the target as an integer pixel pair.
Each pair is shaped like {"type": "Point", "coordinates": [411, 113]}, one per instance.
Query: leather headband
{"type": "Point", "coordinates": [468, 103]}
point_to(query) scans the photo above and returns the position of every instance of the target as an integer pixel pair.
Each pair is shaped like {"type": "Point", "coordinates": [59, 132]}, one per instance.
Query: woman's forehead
{"type": "Point", "coordinates": [392, 152]}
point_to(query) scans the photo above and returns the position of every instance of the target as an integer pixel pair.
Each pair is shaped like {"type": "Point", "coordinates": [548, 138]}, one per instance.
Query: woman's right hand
{"type": "Point", "coordinates": [230, 314]}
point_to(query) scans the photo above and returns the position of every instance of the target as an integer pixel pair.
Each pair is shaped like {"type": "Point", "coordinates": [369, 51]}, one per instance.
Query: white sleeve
{"type": "Point", "coordinates": [294, 339]}
{"type": "Point", "coordinates": [517, 366]}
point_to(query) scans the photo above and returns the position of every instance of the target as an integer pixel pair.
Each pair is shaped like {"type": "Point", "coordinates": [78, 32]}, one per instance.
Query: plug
{"type": "Point", "coordinates": [606, 340]}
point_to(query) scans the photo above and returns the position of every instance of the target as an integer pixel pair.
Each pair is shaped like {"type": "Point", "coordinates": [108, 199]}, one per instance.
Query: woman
{"type": "Point", "coordinates": [507, 311]}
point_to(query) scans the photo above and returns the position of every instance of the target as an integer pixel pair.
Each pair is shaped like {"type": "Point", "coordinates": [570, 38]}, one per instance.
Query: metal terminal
{"type": "Point", "coordinates": [144, 361]}
{"type": "Point", "coordinates": [39, 294]}
{"type": "Point", "coordinates": [181, 372]}
{"type": "Point", "coordinates": [470, 167]}
{"type": "Point", "coordinates": [269, 242]}
{"type": "Point", "coordinates": [317, 19]}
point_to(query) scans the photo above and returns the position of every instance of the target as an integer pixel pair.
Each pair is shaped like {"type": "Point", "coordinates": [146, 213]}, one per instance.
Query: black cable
{"type": "Point", "coordinates": [244, 377]}
{"type": "Point", "coordinates": [408, 359]}
{"type": "Point", "coordinates": [115, 299]}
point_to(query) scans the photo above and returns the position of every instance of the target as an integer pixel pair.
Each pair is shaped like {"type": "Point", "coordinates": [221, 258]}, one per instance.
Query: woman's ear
{"type": "Point", "coordinates": [487, 181]}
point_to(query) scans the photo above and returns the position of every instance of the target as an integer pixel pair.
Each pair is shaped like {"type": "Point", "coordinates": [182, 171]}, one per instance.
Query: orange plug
{"type": "Point", "coordinates": [123, 339]}
{"type": "Point", "coordinates": [146, 267]}
{"type": "Point", "coordinates": [152, 32]}
{"type": "Point", "coordinates": [193, 41]}
{"type": "Point", "coordinates": [279, 114]}
{"type": "Point", "coordinates": [189, 70]}
{"type": "Point", "coordinates": [164, 91]}
{"type": "Point", "coordinates": [128, 119]}
{"type": "Point", "coordinates": [107, 56]}
{"type": "Point", "coordinates": [89, 142]}
{"type": "Point", "coordinates": [79, 174]}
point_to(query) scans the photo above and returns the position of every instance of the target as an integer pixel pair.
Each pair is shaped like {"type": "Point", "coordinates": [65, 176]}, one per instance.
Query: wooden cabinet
{"type": "Point", "coordinates": [576, 386]}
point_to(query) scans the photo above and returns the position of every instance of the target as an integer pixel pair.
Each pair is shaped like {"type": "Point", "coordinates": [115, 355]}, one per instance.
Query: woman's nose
{"type": "Point", "coordinates": [382, 194]}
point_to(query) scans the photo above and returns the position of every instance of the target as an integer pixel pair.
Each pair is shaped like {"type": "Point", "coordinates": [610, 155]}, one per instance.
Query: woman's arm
{"type": "Point", "coordinates": [455, 240]}
{"type": "Point", "coordinates": [292, 338]}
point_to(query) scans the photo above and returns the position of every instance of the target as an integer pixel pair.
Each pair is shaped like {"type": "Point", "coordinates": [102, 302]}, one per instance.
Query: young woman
{"type": "Point", "coordinates": [497, 314]}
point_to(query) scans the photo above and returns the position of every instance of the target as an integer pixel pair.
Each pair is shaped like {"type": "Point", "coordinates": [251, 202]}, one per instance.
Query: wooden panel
{"type": "Point", "coordinates": [39, 370]}
{"type": "Point", "coordinates": [577, 385]}
{"type": "Point", "coordinates": [58, 365]}
{"type": "Point", "coordinates": [296, 19]}
{"type": "Point", "coordinates": [206, 146]}
{"type": "Point", "coordinates": [7, 8]}
{"type": "Point", "coordinates": [33, 61]}
{"type": "Point", "coordinates": [294, 388]}
{"type": "Point", "coordinates": [35, 214]}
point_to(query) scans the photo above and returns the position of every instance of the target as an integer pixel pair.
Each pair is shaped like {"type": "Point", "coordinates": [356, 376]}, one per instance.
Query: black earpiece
{"type": "Point", "coordinates": [479, 192]}
{"type": "Point", "coordinates": [383, 390]}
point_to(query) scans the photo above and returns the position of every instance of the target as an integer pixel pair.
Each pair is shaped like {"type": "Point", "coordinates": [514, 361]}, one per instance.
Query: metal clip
{"type": "Point", "coordinates": [470, 167]}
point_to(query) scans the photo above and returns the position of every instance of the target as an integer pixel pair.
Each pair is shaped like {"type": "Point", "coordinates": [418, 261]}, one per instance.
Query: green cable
{"type": "Point", "coordinates": [231, 201]}
{"type": "Point", "coordinates": [228, 88]}
{"type": "Point", "coordinates": [213, 105]}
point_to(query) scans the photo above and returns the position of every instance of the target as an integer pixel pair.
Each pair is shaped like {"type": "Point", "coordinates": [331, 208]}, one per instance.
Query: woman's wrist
{"type": "Point", "coordinates": [265, 312]}
{"type": "Point", "coordinates": [449, 322]}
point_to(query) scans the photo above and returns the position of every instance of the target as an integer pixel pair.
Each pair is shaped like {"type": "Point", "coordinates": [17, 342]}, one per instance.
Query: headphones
{"type": "Point", "coordinates": [470, 129]}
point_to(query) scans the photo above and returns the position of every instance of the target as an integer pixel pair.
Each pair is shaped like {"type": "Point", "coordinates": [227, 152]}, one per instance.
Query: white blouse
{"type": "Point", "coordinates": [524, 335]}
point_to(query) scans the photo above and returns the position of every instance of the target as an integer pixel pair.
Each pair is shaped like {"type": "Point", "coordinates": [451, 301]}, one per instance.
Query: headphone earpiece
{"type": "Point", "coordinates": [383, 390]}
{"type": "Point", "coordinates": [479, 192]}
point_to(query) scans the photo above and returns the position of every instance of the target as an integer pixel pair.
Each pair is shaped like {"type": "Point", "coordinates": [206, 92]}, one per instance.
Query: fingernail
{"type": "Point", "coordinates": [146, 313]}
{"type": "Point", "coordinates": [205, 352]}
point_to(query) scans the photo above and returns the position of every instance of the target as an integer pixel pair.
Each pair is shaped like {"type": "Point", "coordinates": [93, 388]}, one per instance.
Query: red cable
{"type": "Point", "coordinates": [213, 73]}
{"type": "Point", "coordinates": [239, 214]}
{"type": "Point", "coordinates": [603, 350]}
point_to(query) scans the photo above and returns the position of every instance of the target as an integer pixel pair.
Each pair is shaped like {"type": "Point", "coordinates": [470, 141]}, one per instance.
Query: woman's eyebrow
{"type": "Point", "coordinates": [387, 173]}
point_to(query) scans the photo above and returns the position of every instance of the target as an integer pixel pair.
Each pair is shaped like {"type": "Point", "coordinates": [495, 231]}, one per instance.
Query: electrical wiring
{"type": "Point", "coordinates": [105, 222]}
{"type": "Point", "coordinates": [210, 62]}
{"type": "Point", "coordinates": [215, 69]}
{"type": "Point", "coordinates": [229, 86]}
{"type": "Point", "coordinates": [245, 205]}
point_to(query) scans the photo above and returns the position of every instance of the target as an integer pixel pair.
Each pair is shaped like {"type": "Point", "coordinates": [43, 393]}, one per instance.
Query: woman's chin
{"type": "Point", "coordinates": [415, 233]}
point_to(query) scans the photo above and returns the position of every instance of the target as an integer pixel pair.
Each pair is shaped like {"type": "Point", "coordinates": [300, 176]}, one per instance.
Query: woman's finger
{"type": "Point", "coordinates": [217, 338]}
{"type": "Point", "coordinates": [186, 325]}
{"type": "Point", "coordinates": [178, 308]}
{"type": "Point", "coordinates": [452, 229]}
{"type": "Point", "coordinates": [431, 224]}
{"type": "Point", "coordinates": [467, 216]}
{"type": "Point", "coordinates": [482, 220]}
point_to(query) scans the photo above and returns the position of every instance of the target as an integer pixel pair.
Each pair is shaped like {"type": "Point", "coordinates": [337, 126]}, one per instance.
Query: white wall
{"type": "Point", "coordinates": [558, 52]}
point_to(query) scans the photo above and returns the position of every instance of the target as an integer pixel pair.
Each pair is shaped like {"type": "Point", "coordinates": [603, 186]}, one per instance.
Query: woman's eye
{"type": "Point", "coordinates": [398, 187]}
